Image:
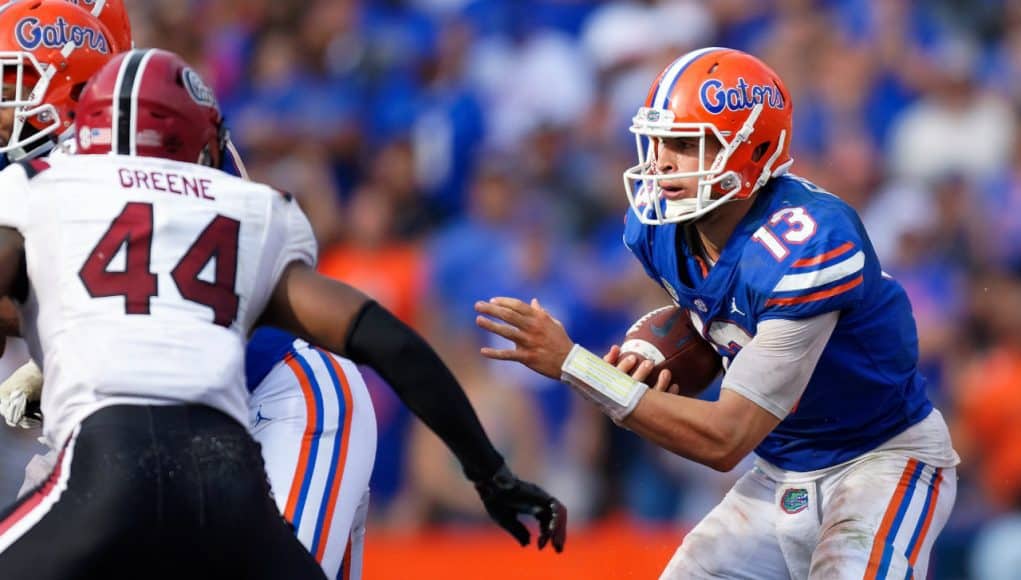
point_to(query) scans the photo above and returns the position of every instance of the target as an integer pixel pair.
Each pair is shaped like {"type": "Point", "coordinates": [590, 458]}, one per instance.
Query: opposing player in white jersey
{"type": "Point", "coordinates": [330, 492]}
{"type": "Point", "coordinates": [143, 357]}
{"type": "Point", "coordinates": [309, 409]}
{"type": "Point", "coordinates": [137, 304]}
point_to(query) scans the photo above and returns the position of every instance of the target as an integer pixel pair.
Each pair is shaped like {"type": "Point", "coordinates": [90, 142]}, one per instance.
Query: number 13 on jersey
{"type": "Point", "coordinates": [133, 228]}
{"type": "Point", "coordinates": [801, 227]}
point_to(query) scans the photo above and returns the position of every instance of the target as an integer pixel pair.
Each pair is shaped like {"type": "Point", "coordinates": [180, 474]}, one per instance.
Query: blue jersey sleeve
{"type": "Point", "coordinates": [820, 256]}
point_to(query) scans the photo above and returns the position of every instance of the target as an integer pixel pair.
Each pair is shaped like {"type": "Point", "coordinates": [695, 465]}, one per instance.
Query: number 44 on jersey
{"type": "Point", "coordinates": [133, 228]}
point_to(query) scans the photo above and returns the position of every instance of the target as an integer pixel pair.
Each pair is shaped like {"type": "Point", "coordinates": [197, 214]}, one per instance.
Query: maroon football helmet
{"type": "Point", "coordinates": [150, 103]}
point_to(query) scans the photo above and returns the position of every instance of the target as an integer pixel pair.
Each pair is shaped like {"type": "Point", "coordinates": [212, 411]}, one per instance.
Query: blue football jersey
{"type": "Point", "coordinates": [801, 252]}
{"type": "Point", "coordinates": [265, 349]}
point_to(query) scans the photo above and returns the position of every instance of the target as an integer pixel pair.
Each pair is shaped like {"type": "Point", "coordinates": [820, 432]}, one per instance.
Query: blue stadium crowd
{"type": "Point", "coordinates": [448, 151]}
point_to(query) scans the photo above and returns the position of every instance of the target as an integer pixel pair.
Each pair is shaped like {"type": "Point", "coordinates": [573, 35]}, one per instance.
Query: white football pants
{"type": "Point", "coordinates": [874, 517]}
{"type": "Point", "coordinates": [314, 419]}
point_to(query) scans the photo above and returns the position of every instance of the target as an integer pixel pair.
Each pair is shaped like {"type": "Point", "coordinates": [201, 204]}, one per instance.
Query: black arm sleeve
{"type": "Point", "coordinates": [415, 372]}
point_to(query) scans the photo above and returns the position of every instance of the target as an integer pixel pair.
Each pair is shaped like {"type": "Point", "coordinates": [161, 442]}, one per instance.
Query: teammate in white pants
{"type": "Point", "coordinates": [311, 412]}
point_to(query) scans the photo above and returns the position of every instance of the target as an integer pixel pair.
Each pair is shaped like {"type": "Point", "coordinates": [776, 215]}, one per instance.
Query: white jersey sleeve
{"type": "Point", "coordinates": [773, 370]}
{"type": "Point", "coordinates": [287, 239]}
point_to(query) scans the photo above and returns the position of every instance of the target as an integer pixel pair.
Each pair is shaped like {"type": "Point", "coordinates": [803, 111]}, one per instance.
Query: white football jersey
{"type": "Point", "coordinates": [145, 277]}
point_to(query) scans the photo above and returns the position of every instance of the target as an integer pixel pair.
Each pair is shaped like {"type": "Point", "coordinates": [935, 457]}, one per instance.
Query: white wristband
{"type": "Point", "coordinates": [616, 393]}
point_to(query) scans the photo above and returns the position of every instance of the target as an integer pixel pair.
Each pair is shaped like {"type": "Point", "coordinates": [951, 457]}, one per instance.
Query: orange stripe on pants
{"type": "Point", "coordinates": [306, 439]}
{"type": "Point", "coordinates": [928, 518]}
{"type": "Point", "coordinates": [879, 543]}
{"type": "Point", "coordinates": [331, 503]}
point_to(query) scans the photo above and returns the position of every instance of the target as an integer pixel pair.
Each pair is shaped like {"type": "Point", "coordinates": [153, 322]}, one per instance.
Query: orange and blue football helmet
{"type": "Point", "coordinates": [48, 50]}
{"type": "Point", "coordinates": [711, 93]}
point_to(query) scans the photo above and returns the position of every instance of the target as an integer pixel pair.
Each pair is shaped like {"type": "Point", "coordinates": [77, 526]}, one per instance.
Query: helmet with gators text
{"type": "Point", "coordinates": [711, 93]}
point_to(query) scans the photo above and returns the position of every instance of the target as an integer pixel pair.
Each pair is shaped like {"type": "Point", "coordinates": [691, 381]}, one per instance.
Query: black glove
{"type": "Point", "coordinates": [506, 496]}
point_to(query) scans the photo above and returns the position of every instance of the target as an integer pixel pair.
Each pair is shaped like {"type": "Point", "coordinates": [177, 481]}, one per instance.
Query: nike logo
{"type": "Point", "coordinates": [661, 330]}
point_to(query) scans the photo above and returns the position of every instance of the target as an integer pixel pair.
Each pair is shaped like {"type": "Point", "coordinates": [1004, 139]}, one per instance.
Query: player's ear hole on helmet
{"type": "Point", "coordinates": [760, 151]}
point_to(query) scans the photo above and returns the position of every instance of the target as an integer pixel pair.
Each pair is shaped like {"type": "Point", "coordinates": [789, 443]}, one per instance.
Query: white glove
{"type": "Point", "coordinates": [23, 386]}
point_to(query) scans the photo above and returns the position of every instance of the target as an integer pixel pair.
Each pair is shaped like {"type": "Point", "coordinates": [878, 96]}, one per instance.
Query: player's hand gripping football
{"type": "Point", "coordinates": [505, 497]}
{"type": "Point", "coordinates": [540, 341]}
{"type": "Point", "coordinates": [542, 344]}
{"type": "Point", "coordinates": [640, 369]}
{"type": "Point", "coordinates": [21, 389]}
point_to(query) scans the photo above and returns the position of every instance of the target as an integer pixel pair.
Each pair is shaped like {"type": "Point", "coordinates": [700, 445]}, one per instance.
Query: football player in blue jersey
{"type": "Point", "coordinates": [855, 471]}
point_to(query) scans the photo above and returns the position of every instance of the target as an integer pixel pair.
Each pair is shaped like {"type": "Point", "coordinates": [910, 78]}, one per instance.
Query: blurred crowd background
{"type": "Point", "coordinates": [448, 151]}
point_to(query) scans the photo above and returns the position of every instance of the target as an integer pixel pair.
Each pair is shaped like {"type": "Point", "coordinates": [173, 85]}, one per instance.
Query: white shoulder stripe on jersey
{"type": "Point", "coordinates": [670, 77]}
{"type": "Point", "coordinates": [842, 269]}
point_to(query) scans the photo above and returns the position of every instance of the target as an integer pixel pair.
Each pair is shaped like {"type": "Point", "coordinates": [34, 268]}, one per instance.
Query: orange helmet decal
{"type": "Point", "coordinates": [718, 93]}
{"type": "Point", "coordinates": [33, 33]}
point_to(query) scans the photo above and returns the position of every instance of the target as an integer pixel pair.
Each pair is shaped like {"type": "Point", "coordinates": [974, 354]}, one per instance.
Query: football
{"type": "Point", "coordinates": [666, 337]}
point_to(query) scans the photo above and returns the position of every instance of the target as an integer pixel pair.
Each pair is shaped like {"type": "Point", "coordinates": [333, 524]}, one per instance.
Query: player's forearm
{"type": "Point", "coordinates": [424, 383]}
{"type": "Point", "coordinates": [701, 431]}
{"type": "Point", "coordinates": [691, 428]}
{"type": "Point", "coordinates": [762, 385]}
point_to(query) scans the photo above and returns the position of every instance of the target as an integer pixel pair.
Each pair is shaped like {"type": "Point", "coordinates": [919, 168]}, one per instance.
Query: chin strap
{"type": "Point", "coordinates": [229, 147]}
{"type": "Point", "coordinates": [767, 169]}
